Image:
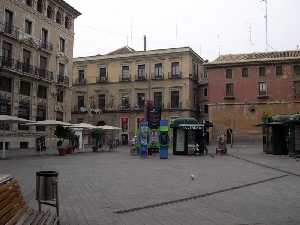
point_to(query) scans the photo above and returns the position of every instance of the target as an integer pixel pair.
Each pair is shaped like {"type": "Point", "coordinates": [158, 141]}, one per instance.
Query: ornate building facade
{"type": "Point", "coordinates": [113, 88]}
{"type": "Point", "coordinates": [36, 46]}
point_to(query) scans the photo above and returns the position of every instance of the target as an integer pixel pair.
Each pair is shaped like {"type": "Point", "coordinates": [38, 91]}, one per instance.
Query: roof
{"type": "Point", "coordinates": [67, 6]}
{"type": "Point", "coordinates": [255, 57]}
{"type": "Point", "coordinates": [123, 50]}
{"type": "Point", "coordinates": [281, 120]}
{"type": "Point", "coordinates": [120, 54]}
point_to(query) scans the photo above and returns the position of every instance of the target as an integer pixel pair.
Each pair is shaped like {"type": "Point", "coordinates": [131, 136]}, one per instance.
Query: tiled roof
{"type": "Point", "coordinates": [255, 57]}
{"type": "Point", "coordinates": [123, 50]}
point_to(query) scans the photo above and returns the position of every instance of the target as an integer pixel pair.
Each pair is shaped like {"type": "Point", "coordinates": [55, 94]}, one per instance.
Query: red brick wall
{"type": "Point", "coordinates": [246, 89]}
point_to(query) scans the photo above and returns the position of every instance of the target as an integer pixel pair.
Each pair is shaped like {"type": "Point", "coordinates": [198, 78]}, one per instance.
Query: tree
{"type": "Point", "coordinates": [63, 133]}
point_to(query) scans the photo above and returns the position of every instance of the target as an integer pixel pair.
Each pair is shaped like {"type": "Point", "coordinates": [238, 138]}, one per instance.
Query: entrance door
{"type": "Point", "coordinates": [124, 138]}
{"type": "Point", "coordinates": [180, 136]}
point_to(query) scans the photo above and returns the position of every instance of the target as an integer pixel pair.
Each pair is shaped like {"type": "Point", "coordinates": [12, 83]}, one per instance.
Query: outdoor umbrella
{"type": "Point", "coordinates": [86, 126]}
{"type": "Point", "coordinates": [107, 127]}
{"type": "Point", "coordinates": [11, 119]}
{"type": "Point", "coordinates": [49, 123]}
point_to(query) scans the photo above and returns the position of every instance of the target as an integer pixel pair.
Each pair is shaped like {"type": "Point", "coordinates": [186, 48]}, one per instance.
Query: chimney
{"type": "Point", "coordinates": [145, 43]}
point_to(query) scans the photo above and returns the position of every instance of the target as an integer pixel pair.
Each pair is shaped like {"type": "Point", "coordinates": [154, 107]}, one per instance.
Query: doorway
{"type": "Point", "coordinates": [124, 139]}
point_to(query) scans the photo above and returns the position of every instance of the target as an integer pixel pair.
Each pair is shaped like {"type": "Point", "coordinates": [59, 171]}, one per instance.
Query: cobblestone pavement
{"type": "Point", "coordinates": [245, 188]}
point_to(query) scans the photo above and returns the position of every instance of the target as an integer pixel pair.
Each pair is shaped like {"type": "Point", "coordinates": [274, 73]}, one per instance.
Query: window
{"type": "Point", "coordinates": [60, 95]}
{"type": "Point", "coordinates": [205, 92]}
{"type": "Point", "coordinates": [80, 102]}
{"type": "Point", "coordinates": [81, 75]}
{"type": "Point", "coordinates": [29, 3]}
{"type": "Point", "coordinates": [24, 113]}
{"type": "Point", "coordinates": [205, 73]}
{"type": "Point", "coordinates": [25, 88]}
{"type": "Point", "coordinates": [24, 145]}
{"type": "Point", "coordinates": [141, 100]}
{"type": "Point", "coordinates": [8, 21]}
{"type": "Point", "coordinates": [5, 84]}
{"type": "Point", "coordinates": [262, 71]}
{"type": "Point", "coordinates": [206, 109]}
{"type": "Point", "coordinates": [49, 12]}
{"type": "Point", "coordinates": [28, 27]}
{"type": "Point", "coordinates": [42, 92]}
{"type": "Point", "coordinates": [262, 89]}
{"type": "Point", "coordinates": [26, 61]}
{"type": "Point", "coordinates": [67, 22]}
{"type": "Point", "coordinates": [174, 99]}
{"type": "Point", "coordinates": [40, 6]}
{"type": "Point", "coordinates": [125, 73]}
{"type": "Point", "coordinates": [41, 114]}
{"type": "Point", "coordinates": [62, 45]}
{"type": "Point", "coordinates": [297, 69]}
{"type": "Point", "coordinates": [279, 70]}
{"type": "Point", "coordinates": [101, 102]}
{"type": "Point", "coordinates": [6, 54]}
{"type": "Point", "coordinates": [43, 66]}
{"type": "Point", "coordinates": [158, 99]}
{"type": "Point", "coordinates": [59, 116]}
{"type": "Point", "coordinates": [124, 101]}
{"type": "Point", "coordinates": [229, 90]}
{"type": "Point", "coordinates": [44, 38]}
{"type": "Point", "coordinates": [5, 106]}
{"type": "Point", "coordinates": [141, 71]}
{"type": "Point", "coordinates": [103, 73]}
{"type": "Point", "coordinates": [245, 72]}
{"type": "Point", "coordinates": [175, 69]}
{"type": "Point", "coordinates": [297, 89]}
{"type": "Point", "coordinates": [58, 17]}
{"type": "Point", "coordinates": [158, 70]}
{"type": "Point", "coordinates": [229, 73]}
{"type": "Point", "coordinates": [61, 69]}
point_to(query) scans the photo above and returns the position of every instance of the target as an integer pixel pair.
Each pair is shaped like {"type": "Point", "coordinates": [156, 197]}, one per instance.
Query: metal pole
{"type": "Point", "coordinates": [266, 17]}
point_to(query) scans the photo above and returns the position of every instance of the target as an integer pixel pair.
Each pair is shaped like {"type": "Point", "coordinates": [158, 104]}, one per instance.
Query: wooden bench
{"type": "Point", "coordinates": [14, 210]}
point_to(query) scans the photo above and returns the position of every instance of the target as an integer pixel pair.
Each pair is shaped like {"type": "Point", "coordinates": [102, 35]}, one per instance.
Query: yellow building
{"type": "Point", "coordinates": [113, 88]}
{"type": "Point", "coordinates": [36, 42]}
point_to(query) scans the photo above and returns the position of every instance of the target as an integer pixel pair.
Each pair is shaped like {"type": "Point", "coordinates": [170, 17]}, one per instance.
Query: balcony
{"type": "Point", "coordinates": [44, 45]}
{"type": "Point", "coordinates": [174, 76]}
{"type": "Point", "coordinates": [124, 108]}
{"type": "Point", "coordinates": [157, 76]}
{"type": "Point", "coordinates": [193, 77]}
{"type": "Point", "coordinates": [140, 77]}
{"type": "Point", "coordinates": [9, 30]}
{"type": "Point", "coordinates": [102, 79]}
{"type": "Point", "coordinates": [175, 106]}
{"type": "Point", "coordinates": [125, 78]}
{"type": "Point", "coordinates": [81, 81]}
{"type": "Point", "coordinates": [62, 80]}
{"type": "Point", "coordinates": [25, 69]}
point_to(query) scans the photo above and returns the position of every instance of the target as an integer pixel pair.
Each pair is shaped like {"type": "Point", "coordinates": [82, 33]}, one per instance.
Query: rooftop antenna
{"type": "Point", "coordinates": [266, 18]}
{"type": "Point", "coordinates": [176, 31]}
{"type": "Point", "coordinates": [219, 46]}
{"type": "Point", "coordinates": [297, 47]}
{"type": "Point", "coordinates": [250, 36]}
{"type": "Point", "coordinates": [127, 40]}
{"type": "Point", "coordinates": [131, 30]}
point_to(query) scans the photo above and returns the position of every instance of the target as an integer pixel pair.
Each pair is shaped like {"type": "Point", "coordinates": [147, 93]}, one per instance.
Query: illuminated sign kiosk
{"type": "Point", "coordinates": [188, 136]}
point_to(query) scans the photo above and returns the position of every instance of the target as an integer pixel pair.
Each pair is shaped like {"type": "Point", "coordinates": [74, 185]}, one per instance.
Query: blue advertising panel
{"type": "Point", "coordinates": [144, 139]}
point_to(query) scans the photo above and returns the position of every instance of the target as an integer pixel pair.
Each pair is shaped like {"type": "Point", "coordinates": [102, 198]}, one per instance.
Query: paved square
{"type": "Point", "coordinates": [245, 188]}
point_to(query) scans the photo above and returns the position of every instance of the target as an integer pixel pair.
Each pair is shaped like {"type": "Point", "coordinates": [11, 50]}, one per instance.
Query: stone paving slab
{"type": "Point", "coordinates": [93, 186]}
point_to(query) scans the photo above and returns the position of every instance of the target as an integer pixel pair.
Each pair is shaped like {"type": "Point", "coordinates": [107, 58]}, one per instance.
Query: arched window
{"type": "Point", "coordinates": [58, 17]}
{"type": "Point", "coordinates": [40, 6]}
{"type": "Point", "coordinates": [49, 12]}
{"type": "Point", "coordinates": [29, 3]}
{"type": "Point", "coordinates": [67, 22]}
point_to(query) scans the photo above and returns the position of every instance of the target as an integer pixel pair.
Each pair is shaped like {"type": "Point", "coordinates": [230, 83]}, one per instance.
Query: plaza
{"type": "Point", "coordinates": [244, 188]}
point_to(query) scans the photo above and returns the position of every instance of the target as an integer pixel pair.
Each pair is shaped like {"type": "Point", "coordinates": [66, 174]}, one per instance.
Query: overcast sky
{"type": "Point", "coordinates": [204, 25]}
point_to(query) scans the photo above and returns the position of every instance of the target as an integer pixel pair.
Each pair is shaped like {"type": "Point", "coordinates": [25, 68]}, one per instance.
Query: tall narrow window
{"type": "Point", "coordinates": [175, 99]}
{"type": "Point", "coordinates": [80, 102]}
{"type": "Point", "coordinates": [141, 72]}
{"type": "Point", "coordinates": [262, 71]}
{"type": "Point", "coordinates": [103, 75]}
{"type": "Point", "coordinates": [43, 66]}
{"type": "Point", "coordinates": [6, 54]}
{"type": "Point", "coordinates": [5, 84]}
{"type": "Point", "coordinates": [125, 73]}
{"type": "Point", "coordinates": [8, 21]}
{"type": "Point", "coordinates": [124, 101]}
{"type": "Point", "coordinates": [62, 45]}
{"type": "Point", "coordinates": [44, 38]}
{"type": "Point", "coordinates": [141, 100]}
{"type": "Point", "coordinates": [67, 22]}
{"type": "Point", "coordinates": [26, 61]}
{"type": "Point", "coordinates": [61, 69]}
{"type": "Point", "coordinates": [49, 12]}
{"type": "Point", "coordinates": [40, 6]}
{"type": "Point", "coordinates": [229, 90]}
{"type": "Point", "coordinates": [229, 73]}
{"type": "Point", "coordinates": [158, 99]}
{"type": "Point", "coordinates": [101, 102]}
{"type": "Point", "coordinates": [25, 88]}
{"type": "Point", "coordinates": [81, 75]}
{"type": "Point", "coordinates": [245, 72]}
{"type": "Point", "coordinates": [42, 92]}
{"type": "Point", "coordinates": [297, 69]}
{"type": "Point", "coordinates": [60, 95]}
{"type": "Point", "coordinates": [262, 89]}
{"type": "Point", "coordinates": [29, 3]}
{"type": "Point", "coordinates": [158, 71]}
{"type": "Point", "coordinates": [279, 70]}
{"type": "Point", "coordinates": [58, 17]}
{"type": "Point", "coordinates": [28, 27]}
{"type": "Point", "coordinates": [175, 70]}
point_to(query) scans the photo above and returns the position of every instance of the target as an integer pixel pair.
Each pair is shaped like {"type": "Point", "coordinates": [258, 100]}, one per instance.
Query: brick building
{"type": "Point", "coordinates": [114, 87]}
{"type": "Point", "coordinates": [36, 51]}
{"type": "Point", "coordinates": [243, 88]}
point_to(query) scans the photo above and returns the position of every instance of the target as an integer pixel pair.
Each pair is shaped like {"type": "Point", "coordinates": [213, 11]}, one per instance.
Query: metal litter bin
{"type": "Point", "coordinates": [46, 185]}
